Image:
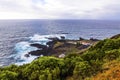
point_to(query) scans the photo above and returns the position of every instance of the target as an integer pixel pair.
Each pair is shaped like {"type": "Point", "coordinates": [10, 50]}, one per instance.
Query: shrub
{"type": "Point", "coordinates": [8, 75]}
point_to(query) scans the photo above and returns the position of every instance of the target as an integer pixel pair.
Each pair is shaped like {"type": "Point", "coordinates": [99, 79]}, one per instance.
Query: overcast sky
{"type": "Point", "coordinates": [59, 9]}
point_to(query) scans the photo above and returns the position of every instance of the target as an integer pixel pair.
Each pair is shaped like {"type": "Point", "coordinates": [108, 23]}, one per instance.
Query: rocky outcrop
{"type": "Point", "coordinates": [115, 37]}
{"type": "Point", "coordinates": [27, 55]}
{"type": "Point", "coordinates": [93, 39]}
{"type": "Point", "coordinates": [40, 46]}
{"type": "Point", "coordinates": [43, 49]}
{"type": "Point", "coordinates": [39, 52]}
{"type": "Point", "coordinates": [80, 38]}
{"type": "Point", "coordinates": [56, 47]}
{"type": "Point", "coordinates": [54, 39]}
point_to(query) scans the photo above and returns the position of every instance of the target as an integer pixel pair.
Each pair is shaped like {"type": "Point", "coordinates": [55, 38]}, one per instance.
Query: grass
{"type": "Point", "coordinates": [111, 71]}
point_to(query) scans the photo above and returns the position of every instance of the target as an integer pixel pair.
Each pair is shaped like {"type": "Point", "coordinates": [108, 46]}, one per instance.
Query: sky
{"type": "Point", "coordinates": [60, 9]}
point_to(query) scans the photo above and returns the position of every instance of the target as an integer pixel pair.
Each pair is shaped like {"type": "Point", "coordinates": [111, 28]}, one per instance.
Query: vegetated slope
{"type": "Point", "coordinates": [115, 36]}
{"type": "Point", "coordinates": [72, 67]}
{"type": "Point", "coordinates": [111, 71]}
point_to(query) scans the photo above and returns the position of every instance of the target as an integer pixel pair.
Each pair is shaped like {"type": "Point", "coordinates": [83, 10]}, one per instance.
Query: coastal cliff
{"type": "Point", "coordinates": [99, 60]}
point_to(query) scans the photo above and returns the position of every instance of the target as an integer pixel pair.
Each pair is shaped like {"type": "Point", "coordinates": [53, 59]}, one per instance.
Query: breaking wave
{"type": "Point", "coordinates": [23, 48]}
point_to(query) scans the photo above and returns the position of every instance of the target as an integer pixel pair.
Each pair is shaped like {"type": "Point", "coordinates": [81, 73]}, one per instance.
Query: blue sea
{"type": "Point", "coordinates": [17, 35]}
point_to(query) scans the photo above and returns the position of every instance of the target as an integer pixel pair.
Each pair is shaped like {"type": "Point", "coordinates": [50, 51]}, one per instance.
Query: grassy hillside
{"type": "Point", "coordinates": [111, 71]}
{"type": "Point", "coordinates": [99, 61]}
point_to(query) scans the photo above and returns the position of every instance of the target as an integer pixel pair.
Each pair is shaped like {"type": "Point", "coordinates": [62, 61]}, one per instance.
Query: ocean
{"type": "Point", "coordinates": [17, 35]}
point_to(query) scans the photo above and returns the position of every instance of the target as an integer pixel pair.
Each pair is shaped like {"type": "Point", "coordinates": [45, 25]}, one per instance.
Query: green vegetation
{"type": "Point", "coordinates": [72, 67]}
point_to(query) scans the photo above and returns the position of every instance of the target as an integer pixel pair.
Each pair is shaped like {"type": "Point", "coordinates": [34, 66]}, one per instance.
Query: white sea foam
{"type": "Point", "coordinates": [37, 37]}
{"type": "Point", "coordinates": [1, 65]}
{"type": "Point", "coordinates": [26, 60]}
{"type": "Point", "coordinates": [43, 39]}
{"type": "Point", "coordinates": [22, 48]}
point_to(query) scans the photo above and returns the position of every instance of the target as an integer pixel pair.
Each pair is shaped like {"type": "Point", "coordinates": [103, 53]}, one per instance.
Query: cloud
{"type": "Point", "coordinates": [59, 9]}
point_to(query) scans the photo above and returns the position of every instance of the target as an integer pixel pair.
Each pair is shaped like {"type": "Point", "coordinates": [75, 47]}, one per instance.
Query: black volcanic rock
{"type": "Point", "coordinates": [39, 52]}
{"type": "Point", "coordinates": [36, 53]}
{"type": "Point", "coordinates": [39, 46]}
{"type": "Point", "coordinates": [51, 44]}
{"type": "Point", "coordinates": [81, 38]}
{"type": "Point", "coordinates": [62, 37]}
{"type": "Point", "coordinates": [43, 50]}
{"type": "Point", "coordinates": [27, 55]}
{"type": "Point", "coordinates": [92, 39]}
{"type": "Point", "coordinates": [54, 39]}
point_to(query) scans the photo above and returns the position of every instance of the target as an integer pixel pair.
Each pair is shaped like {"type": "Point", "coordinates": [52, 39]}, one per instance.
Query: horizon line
{"type": "Point", "coordinates": [64, 19]}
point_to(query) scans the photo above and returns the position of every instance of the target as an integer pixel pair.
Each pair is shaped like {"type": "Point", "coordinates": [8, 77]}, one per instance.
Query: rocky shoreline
{"type": "Point", "coordinates": [61, 47]}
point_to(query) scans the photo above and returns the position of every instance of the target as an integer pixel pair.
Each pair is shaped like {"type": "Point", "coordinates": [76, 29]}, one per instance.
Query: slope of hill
{"type": "Point", "coordinates": [111, 71]}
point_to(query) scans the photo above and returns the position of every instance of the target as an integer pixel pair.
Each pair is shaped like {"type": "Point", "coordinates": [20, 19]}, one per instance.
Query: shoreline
{"type": "Point", "coordinates": [56, 45]}
{"type": "Point", "coordinates": [61, 47]}
{"type": "Point", "coordinates": [100, 59]}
